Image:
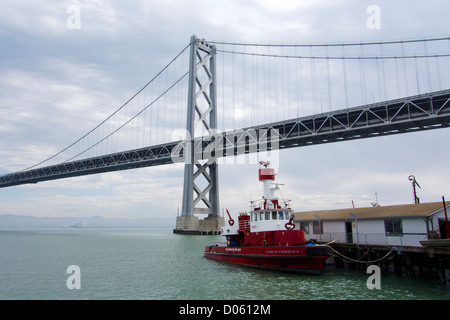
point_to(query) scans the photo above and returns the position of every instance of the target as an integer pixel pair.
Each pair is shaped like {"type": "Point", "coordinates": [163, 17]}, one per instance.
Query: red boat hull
{"type": "Point", "coordinates": [294, 258]}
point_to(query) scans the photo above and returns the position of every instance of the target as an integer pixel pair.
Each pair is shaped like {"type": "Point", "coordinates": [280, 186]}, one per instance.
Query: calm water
{"type": "Point", "coordinates": [156, 264]}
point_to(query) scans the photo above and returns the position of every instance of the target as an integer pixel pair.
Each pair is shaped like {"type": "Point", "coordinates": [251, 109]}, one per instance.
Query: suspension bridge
{"type": "Point", "coordinates": [220, 99]}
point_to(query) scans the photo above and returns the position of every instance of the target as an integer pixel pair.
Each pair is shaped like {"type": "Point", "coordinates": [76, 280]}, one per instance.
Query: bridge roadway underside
{"type": "Point", "coordinates": [410, 114]}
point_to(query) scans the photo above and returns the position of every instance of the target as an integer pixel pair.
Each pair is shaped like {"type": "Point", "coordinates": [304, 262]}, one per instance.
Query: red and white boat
{"type": "Point", "coordinates": [266, 236]}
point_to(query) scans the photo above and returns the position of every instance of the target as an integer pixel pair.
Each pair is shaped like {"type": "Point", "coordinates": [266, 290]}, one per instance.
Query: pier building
{"type": "Point", "coordinates": [410, 238]}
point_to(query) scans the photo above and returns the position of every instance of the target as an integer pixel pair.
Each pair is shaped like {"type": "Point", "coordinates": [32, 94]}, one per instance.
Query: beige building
{"type": "Point", "coordinates": [399, 225]}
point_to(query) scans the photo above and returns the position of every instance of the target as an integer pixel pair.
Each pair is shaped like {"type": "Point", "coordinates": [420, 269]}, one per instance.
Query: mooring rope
{"type": "Point", "coordinates": [353, 260]}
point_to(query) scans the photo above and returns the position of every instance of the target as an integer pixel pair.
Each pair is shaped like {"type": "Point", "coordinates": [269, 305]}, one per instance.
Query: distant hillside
{"type": "Point", "coordinates": [14, 221]}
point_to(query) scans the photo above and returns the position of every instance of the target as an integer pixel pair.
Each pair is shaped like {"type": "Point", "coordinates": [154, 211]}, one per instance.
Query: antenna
{"type": "Point", "coordinates": [277, 188]}
{"type": "Point", "coordinates": [375, 204]}
{"type": "Point", "coordinates": [265, 164]}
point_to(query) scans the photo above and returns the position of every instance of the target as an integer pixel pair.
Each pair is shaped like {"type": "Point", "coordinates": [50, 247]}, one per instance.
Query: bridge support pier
{"type": "Point", "coordinates": [187, 224]}
{"type": "Point", "coordinates": [201, 181]}
{"type": "Point", "coordinates": [193, 225]}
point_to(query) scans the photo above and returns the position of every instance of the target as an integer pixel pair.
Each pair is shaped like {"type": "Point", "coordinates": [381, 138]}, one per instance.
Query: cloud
{"type": "Point", "coordinates": [41, 105]}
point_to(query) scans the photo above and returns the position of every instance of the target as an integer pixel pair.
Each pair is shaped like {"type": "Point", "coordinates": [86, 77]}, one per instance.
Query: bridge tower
{"type": "Point", "coordinates": [201, 121]}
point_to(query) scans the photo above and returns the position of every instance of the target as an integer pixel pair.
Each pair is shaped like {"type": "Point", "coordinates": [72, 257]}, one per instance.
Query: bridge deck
{"type": "Point", "coordinates": [410, 114]}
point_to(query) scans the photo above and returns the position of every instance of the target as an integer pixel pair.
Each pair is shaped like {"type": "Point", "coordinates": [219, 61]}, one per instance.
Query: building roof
{"type": "Point", "coordinates": [405, 210]}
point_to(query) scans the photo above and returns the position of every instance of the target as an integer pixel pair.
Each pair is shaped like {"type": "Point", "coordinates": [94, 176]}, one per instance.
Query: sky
{"type": "Point", "coordinates": [66, 65]}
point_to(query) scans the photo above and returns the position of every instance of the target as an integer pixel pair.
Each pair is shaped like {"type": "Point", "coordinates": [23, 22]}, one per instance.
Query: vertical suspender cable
{"type": "Point", "coordinates": [428, 67]}
{"type": "Point", "coordinates": [265, 95]}
{"type": "Point", "coordinates": [397, 77]}
{"type": "Point", "coordinates": [283, 88]}
{"type": "Point", "coordinates": [345, 78]}
{"type": "Point", "coordinates": [297, 78]}
{"type": "Point", "coordinates": [274, 107]}
{"type": "Point", "coordinates": [313, 80]}
{"type": "Point", "coordinates": [253, 86]}
{"type": "Point", "coordinates": [363, 77]}
{"type": "Point", "coordinates": [300, 85]}
{"type": "Point", "coordinates": [233, 93]}
{"type": "Point", "coordinates": [379, 79]}
{"type": "Point", "coordinates": [269, 107]}
{"type": "Point", "coordinates": [404, 70]}
{"type": "Point", "coordinates": [223, 92]}
{"type": "Point", "coordinates": [383, 73]}
{"type": "Point", "coordinates": [328, 79]}
{"type": "Point", "coordinates": [417, 75]}
{"type": "Point", "coordinates": [244, 88]}
{"type": "Point", "coordinates": [438, 72]}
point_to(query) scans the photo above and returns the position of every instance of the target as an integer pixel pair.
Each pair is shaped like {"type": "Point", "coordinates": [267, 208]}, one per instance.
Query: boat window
{"type": "Point", "coordinates": [267, 215]}
{"type": "Point", "coordinates": [280, 215]}
{"type": "Point", "coordinates": [274, 215]}
{"type": "Point", "coordinates": [287, 215]}
{"type": "Point", "coordinates": [261, 216]}
{"type": "Point", "coordinates": [254, 216]}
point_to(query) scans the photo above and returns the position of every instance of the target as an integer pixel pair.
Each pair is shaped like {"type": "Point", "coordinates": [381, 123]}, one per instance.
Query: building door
{"type": "Point", "coordinates": [349, 231]}
{"type": "Point", "coordinates": [443, 228]}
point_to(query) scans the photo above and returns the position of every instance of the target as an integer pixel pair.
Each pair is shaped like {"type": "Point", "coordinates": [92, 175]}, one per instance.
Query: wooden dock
{"type": "Point", "coordinates": [432, 260]}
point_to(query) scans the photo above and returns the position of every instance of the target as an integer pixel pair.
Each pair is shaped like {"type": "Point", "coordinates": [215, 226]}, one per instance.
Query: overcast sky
{"type": "Point", "coordinates": [60, 77]}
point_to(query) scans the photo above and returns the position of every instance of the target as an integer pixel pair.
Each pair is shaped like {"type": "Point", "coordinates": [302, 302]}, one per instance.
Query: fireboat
{"type": "Point", "coordinates": [266, 236]}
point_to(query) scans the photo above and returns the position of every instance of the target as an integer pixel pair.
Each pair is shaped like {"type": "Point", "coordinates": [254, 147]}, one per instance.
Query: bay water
{"type": "Point", "coordinates": [147, 263]}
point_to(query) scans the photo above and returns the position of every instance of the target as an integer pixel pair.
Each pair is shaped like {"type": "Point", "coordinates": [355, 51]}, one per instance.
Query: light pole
{"type": "Point", "coordinates": [320, 229]}
{"type": "Point", "coordinates": [357, 232]}
{"type": "Point", "coordinates": [414, 183]}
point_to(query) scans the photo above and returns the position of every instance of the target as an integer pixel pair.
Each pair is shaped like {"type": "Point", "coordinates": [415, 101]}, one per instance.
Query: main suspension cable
{"type": "Point", "coordinates": [115, 112]}
{"type": "Point", "coordinates": [335, 57]}
{"type": "Point", "coordinates": [332, 44]}
{"type": "Point", "coordinates": [131, 119]}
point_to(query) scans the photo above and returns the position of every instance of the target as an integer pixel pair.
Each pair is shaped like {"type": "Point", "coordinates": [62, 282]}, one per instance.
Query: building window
{"type": "Point", "coordinates": [393, 227]}
{"type": "Point", "coordinates": [317, 228]}
{"type": "Point", "coordinates": [305, 227]}
{"type": "Point", "coordinates": [261, 216]}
